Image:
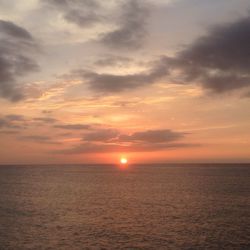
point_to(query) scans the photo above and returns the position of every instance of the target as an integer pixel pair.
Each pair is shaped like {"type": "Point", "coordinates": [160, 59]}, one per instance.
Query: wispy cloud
{"type": "Point", "coordinates": [112, 60]}
{"type": "Point", "coordinates": [83, 13]}
{"type": "Point", "coordinates": [101, 135]}
{"type": "Point", "coordinates": [129, 28]}
{"type": "Point", "coordinates": [72, 126]}
{"type": "Point", "coordinates": [39, 139]}
{"type": "Point", "coordinates": [48, 120]}
{"type": "Point", "coordinates": [12, 122]}
{"type": "Point", "coordinates": [153, 136]}
{"type": "Point", "coordinates": [132, 29]}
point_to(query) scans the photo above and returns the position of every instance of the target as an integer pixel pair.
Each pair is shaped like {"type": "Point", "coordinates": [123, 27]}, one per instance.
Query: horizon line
{"type": "Point", "coordinates": [129, 164]}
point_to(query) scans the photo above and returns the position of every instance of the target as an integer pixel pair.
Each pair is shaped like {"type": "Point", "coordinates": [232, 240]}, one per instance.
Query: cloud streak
{"type": "Point", "coordinates": [110, 140]}
{"type": "Point", "coordinates": [12, 122]}
{"type": "Point", "coordinates": [153, 136]}
{"type": "Point", "coordinates": [113, 60]}
{"type": "Point", "coordinates": [47, 120]}
{"type": "Point", "coordinates": [38, 139]}
{"type": "Point", "coordinates": [101, 135]}
{"type": "Point", "coordinates": [72, 126]}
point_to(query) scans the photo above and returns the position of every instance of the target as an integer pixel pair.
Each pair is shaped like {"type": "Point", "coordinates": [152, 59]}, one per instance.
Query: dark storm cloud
{"type": "Point", "coordinates": [110, 140]}
{"type": "Point", "coordinates": [72, 126]}
{"type": "Point", "coordinates": [132, 29]}
{"type": "Point", "coordinates": [16, 47]}
{"type": "Point", "coordinates": [81, 12]}
{"type": "Point", "coordinates": [118, 83]}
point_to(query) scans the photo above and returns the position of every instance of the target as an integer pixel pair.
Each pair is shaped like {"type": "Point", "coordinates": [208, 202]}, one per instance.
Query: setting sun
{"type": "Point", "coordinates": [123, 160]}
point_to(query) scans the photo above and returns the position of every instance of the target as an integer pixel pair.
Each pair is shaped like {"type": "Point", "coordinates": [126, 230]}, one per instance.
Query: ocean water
{"type": "Point", "coordinates": [141, 207]}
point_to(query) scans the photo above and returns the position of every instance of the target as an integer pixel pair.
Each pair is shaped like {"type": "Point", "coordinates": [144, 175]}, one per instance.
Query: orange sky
{"type": "Point", "coordinates": [155, 81]}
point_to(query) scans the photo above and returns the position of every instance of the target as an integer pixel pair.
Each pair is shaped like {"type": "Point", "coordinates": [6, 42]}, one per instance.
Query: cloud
{"type": "Point", "coordinates": [153, 136]}
{"type": "Point", "coordinates": [14, 30]}
{"type": "Point", "coordinates": [132, 29]}
{"type": "Point", "coordinates": [109, 140]}
{"type": "Point", "coordinates": [12, 122]}
{"type": "Point", "coordinates": [80, 12]}
{"type": "Point", "coordinates": [9, 132]}
{"type": "Point", "coordinates": [4, 123]}
{"type": "Point", "coordinates": [101, 135]}
{"type": "Point", "coordinates": [16, 46]}
{"type": "Point", "coordinates": [15, 117]}
{"type": "Point", "coordinates": [38, 139]}
{"type": "Point", "coordinates": [113, 60]}
{"type": "Point", "coordinates": [72, 126]}
{"type": "Point", "coordinates": [111, 83]}
{"type": "Point", "coordinates": [88, 148]}
{"type": "Point", "coordinates": [92, 148]}
{"type": "Point", "coordinates": [131, 24]}
{"type": "Point", "coordinates": [114, 83]}
{"type": "Point", "coordinates": [219, 60]}
{"type": "Point", "coordinates": [246, 95]}
{"type": "Point", "coordinates": [45, 119]}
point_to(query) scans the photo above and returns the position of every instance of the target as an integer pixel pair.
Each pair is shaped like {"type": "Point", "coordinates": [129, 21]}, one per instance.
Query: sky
{"type": "Point", "coordinates": [90, 81]}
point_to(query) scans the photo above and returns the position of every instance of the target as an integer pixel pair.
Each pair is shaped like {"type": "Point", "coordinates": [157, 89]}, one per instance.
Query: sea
{"type": "Point", "coordinates": [157, 206]}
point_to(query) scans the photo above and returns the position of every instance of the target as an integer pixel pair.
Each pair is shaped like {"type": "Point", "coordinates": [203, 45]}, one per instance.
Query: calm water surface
{"type": "Point", "coordinates": [142, 207]}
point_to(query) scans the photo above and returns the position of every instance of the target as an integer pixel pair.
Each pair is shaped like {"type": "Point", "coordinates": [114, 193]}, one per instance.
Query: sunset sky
{"type": "Point", "coordinates": [88, 81]}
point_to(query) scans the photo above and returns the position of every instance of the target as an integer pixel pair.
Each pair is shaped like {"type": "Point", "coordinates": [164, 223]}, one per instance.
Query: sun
{"type": "Point", "coordinates": [123, 160]}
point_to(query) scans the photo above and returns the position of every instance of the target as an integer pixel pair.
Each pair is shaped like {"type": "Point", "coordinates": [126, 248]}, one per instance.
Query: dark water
{"type": "Point", "coordinates": [143, 207]}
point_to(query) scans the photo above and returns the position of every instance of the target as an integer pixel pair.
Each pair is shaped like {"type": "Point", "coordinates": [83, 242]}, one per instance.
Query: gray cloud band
{"type": "Point", "coordinates": [110, 140]}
